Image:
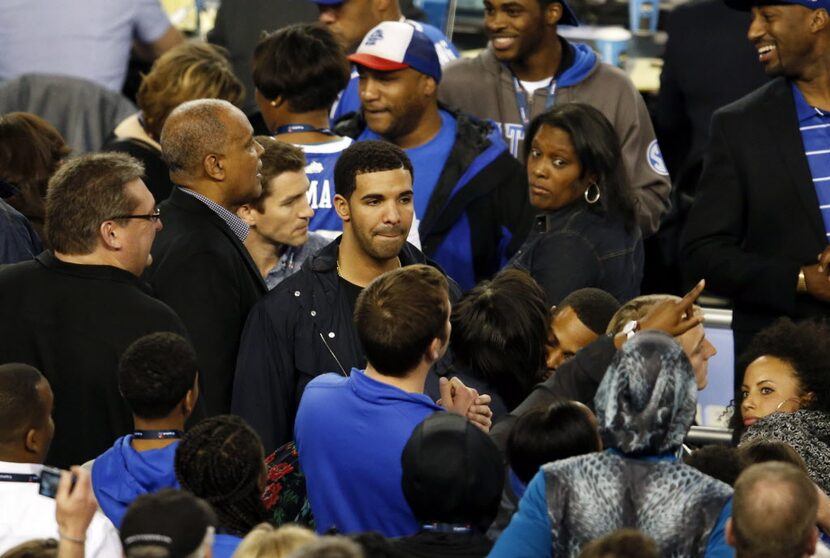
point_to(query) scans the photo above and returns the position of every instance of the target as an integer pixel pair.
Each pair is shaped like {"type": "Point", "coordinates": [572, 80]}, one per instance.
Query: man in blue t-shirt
{"type": "Point", "coordinates": [470, 194]}
{"type": "Point", "coordinates": [351, 430]}
{"type": "Point", "coordinates": [350, 20]}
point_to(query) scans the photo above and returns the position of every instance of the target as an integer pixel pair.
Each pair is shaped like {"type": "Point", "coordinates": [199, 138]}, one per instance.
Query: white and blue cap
{"type": "Point", "coordinates": [746, 5]}
{"type": "Point", "coordinates": [395, 45]}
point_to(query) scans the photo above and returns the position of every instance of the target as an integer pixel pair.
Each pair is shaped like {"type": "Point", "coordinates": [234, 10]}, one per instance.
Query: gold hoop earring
{"type": "Point", "coordinates": [594, 197]}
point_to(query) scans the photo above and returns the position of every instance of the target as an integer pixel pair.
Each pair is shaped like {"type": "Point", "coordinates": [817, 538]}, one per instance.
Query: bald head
{"type": "Point", "coordinates": [193, 131]}
{"type": "Point", "coordinates": [774, 512]}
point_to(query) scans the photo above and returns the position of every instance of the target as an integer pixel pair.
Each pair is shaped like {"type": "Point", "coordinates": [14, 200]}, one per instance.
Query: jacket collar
{"type": "Point", "coordinates": [190, 204]}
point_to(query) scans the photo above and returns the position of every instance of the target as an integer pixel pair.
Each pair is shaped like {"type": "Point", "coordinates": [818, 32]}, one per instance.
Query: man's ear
{"type": "Point", "coordinates": [214, 166]}
{"type": "Point", "coordinates": [32, 442]}
{"type": "Point", "coordinates": [434, 350]}
{"type": "Point", "coordinates": [381, 6]}
{"type": "Point", "coordinates": [430, 86]}
{"type": "Point", "coordinates": [730, 533]}
{"type": "Point", "coordinates": [819, 20]}
{"type": "Point", "coordinates": [247, 213]}
{"type": "Point", "coordinates": [110, 234]}
{"type": "Point", "coordinates": [341, 206]}
{"type": "Point", "coordinates": [553, 13]}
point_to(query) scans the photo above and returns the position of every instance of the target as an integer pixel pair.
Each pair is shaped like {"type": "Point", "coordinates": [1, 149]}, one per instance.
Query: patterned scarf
{"type": "Point", "coordinates": [648, 398]}
{"type": "Point", "coordinates": [807, 431]}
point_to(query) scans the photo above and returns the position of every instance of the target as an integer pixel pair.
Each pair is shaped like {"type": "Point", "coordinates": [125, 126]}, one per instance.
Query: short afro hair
{"type": "Point", "coordinates": [366, 157]}
{"type": "Point", "coordinates": [593, 307]}
{"type": "Point", "coordinates": [155, 373]}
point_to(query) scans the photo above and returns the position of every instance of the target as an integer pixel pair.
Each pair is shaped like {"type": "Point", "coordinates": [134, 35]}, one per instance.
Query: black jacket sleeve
{"type": "Point", "coordinates": [264, 385]}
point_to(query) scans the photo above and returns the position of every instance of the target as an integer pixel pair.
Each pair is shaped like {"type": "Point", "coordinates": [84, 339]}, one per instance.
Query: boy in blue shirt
{"type": "Point", "coordinates": [157, 377]}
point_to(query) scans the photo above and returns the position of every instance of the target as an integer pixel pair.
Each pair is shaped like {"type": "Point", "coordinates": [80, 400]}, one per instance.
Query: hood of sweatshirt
{"type": "Point", "coordinates": [583, 63]}
{"type": "Point", "coordinates": [122, 474]}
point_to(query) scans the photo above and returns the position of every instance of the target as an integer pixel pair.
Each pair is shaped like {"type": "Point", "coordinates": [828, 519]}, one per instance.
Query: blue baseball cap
{"type": "Point", "coordinates": [746, 5]}
{"type": "Point", "coordinates": [395, 45]}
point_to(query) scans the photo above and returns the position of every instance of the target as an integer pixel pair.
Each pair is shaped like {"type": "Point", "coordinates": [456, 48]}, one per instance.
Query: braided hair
{"type": "Point", "coordinates": [221, 460]}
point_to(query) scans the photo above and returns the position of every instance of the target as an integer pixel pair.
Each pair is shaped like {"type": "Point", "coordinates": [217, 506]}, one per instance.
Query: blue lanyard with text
{"type": "Point", "coordinates": [157, 434]}
{"type": "Point", "coordinates": [297, 128]}
{"type": "Point", "coordinates": [18, 477]}
{"type": "Point", "coordinates": [521, 98]}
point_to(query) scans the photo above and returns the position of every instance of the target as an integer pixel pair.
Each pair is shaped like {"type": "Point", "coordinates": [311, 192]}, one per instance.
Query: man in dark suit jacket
{"type": "Point", "coordinates": [73, 310]}
{"type": "Point", "coordinates": [202, 269]}
{"type": "Point", "coordinates": [700, 76]}
{"type": "Point", "coordinates": [756, 228]}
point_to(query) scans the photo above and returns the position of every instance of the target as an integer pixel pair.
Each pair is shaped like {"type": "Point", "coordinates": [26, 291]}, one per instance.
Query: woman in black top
{"type": "Point", "coordinates": [587, 234]}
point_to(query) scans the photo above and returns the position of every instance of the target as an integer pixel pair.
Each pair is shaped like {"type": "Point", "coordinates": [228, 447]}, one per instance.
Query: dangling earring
{"type": "Point", "coordinates": [592, 198]}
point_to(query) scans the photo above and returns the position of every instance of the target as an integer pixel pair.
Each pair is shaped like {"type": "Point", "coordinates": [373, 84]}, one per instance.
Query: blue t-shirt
{"type": "Point", "coordinates": [428, 160]}
{"type": "Point", "coordinates": [350, 435]}
{"type": "Point", "coordinates": [320, 160]}
{"type": "Point", "coordinates": [349, 100]}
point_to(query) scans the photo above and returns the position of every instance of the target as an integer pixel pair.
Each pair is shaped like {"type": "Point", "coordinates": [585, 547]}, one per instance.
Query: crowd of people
{"type": "Point", "coordinates": [389, 301]}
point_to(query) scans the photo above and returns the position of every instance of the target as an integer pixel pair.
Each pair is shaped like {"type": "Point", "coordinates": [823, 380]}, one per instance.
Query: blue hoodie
{"type": "Point", "coordinates": [122, 474]}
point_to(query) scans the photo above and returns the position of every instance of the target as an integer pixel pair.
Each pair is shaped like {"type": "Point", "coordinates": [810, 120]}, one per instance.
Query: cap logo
{"type": "Point", "coordinates": [374, 37]}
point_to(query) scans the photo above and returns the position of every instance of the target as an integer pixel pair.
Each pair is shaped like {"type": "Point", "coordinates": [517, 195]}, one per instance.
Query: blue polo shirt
{"type": "Point", "coordinates": [350, 435]}
{"type": "Point", "coordinates": [814, 125]}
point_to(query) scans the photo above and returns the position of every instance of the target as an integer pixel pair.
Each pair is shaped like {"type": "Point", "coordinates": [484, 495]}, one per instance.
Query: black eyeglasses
{"type": "Point", "coordinates": [154, 216]}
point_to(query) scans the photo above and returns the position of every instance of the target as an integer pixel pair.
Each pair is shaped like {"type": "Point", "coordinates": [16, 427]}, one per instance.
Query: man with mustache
{"type": "Point", "coordinates": [760, 223]}
{"type": "Point", "coordinates": [470, 194]}
{"type": "Point", "coordinates": [303, 328]}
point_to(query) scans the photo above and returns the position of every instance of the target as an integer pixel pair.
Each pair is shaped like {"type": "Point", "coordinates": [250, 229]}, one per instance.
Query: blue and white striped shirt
{"type": "Point", "coordinates": [814, 125]}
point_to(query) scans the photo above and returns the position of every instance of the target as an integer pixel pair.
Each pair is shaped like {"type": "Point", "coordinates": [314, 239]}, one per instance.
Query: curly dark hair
{"type": "Point", "coordinates": [221, 460]}
{"type": "Point", "coordinates": [156, 372]}
{"type": "Point", "coordinates": [803, 345]}
{"type": "Point", "coordinates": [366, 157]}
{"type": "Point", "coordinates": [598, 149]}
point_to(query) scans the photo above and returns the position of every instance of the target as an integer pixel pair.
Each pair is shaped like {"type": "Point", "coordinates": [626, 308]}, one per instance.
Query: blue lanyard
{"type": "Point", "coordinates": [157, 434]}
{"type": "Point", "coordinates": [18, 477]}
{"type": "Point", "coordinates": [297, 128]}
{"type": "Point", "coordinates": [446, 528]}
{"type": "Point", "coordinates": [521, 98]}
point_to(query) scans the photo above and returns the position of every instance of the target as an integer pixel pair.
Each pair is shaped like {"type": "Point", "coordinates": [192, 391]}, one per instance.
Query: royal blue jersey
{"type": "Point", "coordinates": [320, 161]}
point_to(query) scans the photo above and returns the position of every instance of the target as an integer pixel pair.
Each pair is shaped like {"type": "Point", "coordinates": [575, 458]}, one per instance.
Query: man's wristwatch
{"type": "Point", "coordinates": [630, 328]}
